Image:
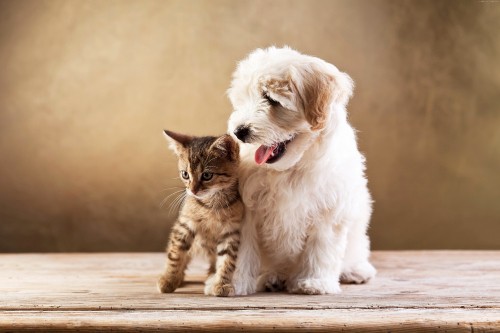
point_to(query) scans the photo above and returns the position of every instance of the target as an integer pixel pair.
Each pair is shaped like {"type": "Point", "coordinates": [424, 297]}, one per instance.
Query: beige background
{"type": "Point", "coordinates": [87, 86]}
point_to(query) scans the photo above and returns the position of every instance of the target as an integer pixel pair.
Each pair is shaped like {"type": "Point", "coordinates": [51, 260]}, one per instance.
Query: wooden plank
{"type": "Point", "coordinates": [127, 281]}
{"type": "Point", "coordinates": [347, 320]}
{"type": "Point", "coordinates": [449, 289]}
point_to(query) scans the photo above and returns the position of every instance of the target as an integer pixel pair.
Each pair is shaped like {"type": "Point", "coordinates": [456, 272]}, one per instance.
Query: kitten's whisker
{"type": "Point", "coordinates": [172, 203]}
{"type": "Point", "coordinates": [180, 202]}
{"type": "Point", "coordinates": [175, 204]}
{"type": "Point", "coordinates": [178, 199]}
{"type": "Point", "coordinates": [168, 196]}
{"type": "Point", "coordinates": [173, 193]}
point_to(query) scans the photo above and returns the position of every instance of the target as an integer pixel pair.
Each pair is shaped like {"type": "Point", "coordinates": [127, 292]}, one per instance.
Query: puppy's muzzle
{"type": "Point", "coordinates": [243, 133]}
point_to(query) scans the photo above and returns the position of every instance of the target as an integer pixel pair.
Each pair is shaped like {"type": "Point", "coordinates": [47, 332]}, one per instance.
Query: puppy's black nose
{"type": "Point", "coordinates": [243, 133]}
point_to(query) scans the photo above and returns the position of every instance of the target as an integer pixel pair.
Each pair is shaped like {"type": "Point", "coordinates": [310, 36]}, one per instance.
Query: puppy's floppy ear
{"type": "Point", "coordinates": [343, 87]}
{"type": "Point", "coordinates": [226, 146]}
{"type": "Point", "coordinates": [176, 141]}
{"type": "Point", "coordinates": [318, 85]}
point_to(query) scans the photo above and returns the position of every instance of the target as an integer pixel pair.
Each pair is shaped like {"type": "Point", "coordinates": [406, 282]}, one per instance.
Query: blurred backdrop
{"type": "Point", "coordinates": [86, 88]}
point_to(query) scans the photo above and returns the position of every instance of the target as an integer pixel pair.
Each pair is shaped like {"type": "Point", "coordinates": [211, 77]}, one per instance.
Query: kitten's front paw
{"type": "Point", "coordinates": [215, 288]}
{"type": "Point", "coordinates": [223, 290]}
{"type": "Point", "coordinates": [314, 287]}
{"type": "Point", "coordinates": [168, 284]}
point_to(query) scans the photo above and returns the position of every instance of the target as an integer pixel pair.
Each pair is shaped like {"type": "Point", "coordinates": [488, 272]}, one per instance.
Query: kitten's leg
{"type": "Point", "coordinates": [319, 267]}
{"type": "Point", "coordinates": [181, 239]}
{"type": "Point", "coordinates": [209, 282]}
{"type": "Point", "coordinates": [212, 267]}
{"type": "Point", "coordinates": [227, 251]}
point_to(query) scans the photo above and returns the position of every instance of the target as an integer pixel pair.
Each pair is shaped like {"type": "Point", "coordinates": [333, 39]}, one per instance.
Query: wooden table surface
{"type": "Point", "coordinates": [454, 291]}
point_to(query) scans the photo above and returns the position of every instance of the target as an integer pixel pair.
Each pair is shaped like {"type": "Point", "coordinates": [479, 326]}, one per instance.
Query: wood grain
{"type": "Point", "coordinates": [414, 291]}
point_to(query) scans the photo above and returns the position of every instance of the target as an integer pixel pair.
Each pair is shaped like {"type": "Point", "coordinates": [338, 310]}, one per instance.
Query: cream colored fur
{"type": "Point", "coordinates": [307, 214]}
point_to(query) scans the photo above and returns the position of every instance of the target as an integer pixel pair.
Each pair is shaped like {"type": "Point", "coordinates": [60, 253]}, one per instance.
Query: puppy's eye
{"type": "Point", "coordinates": [271, 101]}
{"type": "Point", "coordinates": [184, 175]}
{"type": "Point", "coordinates": [207, 176]}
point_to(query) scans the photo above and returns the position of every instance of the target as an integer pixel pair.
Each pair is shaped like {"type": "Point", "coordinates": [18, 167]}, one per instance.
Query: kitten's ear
{"type": "Point", "coordinates": [176, 141]}
{"type": "Point", "coordinates": [226, 146]}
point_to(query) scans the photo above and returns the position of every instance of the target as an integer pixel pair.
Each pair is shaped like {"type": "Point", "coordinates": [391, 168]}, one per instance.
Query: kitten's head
{"type": "Point", "coordinates": [207, 165]}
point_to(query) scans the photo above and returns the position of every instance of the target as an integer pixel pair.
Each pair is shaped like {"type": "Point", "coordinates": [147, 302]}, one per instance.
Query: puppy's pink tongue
{"type": "Point", "coordinates": [263, 153]}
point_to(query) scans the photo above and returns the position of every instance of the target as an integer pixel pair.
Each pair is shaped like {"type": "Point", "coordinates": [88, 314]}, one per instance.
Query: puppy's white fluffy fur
{"type": "Point", "coordinates": [306, 214]}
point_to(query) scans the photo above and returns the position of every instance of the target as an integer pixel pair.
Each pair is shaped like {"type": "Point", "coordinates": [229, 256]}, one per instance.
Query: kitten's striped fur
{"type": "Point", "coordinates": [210, 218]}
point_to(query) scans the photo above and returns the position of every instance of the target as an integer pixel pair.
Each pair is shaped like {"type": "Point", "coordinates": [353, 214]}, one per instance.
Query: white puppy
{"type": "Point", "coordinates": [302, 178]}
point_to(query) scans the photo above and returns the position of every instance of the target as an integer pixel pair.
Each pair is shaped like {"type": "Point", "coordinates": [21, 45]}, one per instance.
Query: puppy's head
{"type": "Point", "coordinates": [282, 101]}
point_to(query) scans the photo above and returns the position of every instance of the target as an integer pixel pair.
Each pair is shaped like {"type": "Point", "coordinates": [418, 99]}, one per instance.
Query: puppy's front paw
{"type": "Point", "coordinates": [168, 284]}
{"type": "Point", "coordinates": [209, 285]}
{"type": "Point", "coordinates": [314, 287]}
{"type": "Point", "coordinates": [359, 273]}
{"type": "Point", "coordinates": [244, 287]}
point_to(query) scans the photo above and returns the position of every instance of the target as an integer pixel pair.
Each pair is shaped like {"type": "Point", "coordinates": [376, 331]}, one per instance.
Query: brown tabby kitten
{"type": "Point", "coordinates": [210, 217]}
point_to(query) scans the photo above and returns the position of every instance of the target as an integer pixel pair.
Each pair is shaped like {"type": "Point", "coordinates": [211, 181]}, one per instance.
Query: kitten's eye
{"type": "Point", "coordinates": [207, 175]}
{"type": "Point", "coordinates": [184, 174]}
{"type": "Point", "coordinates": [271, 101]}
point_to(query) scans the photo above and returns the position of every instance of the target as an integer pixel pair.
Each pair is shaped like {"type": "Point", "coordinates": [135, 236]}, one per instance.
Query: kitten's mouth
{"type": "Point", "coordinates": [271, 154]}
